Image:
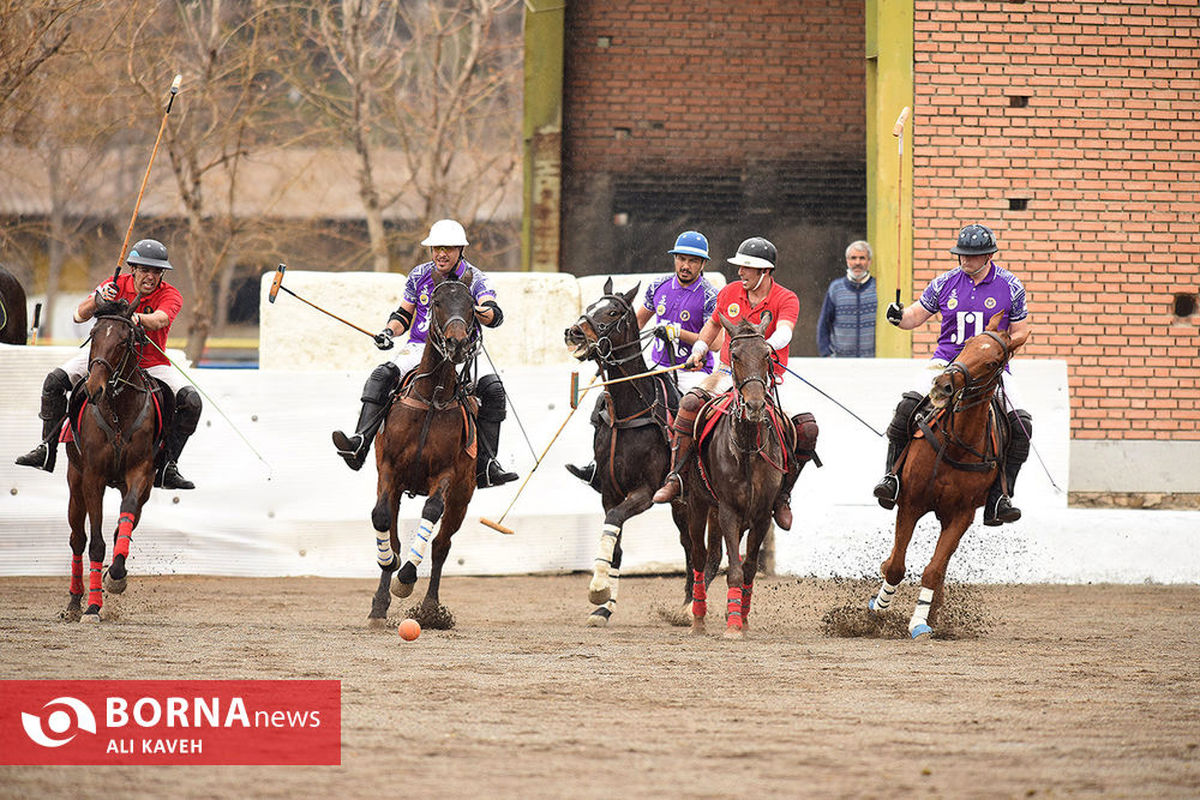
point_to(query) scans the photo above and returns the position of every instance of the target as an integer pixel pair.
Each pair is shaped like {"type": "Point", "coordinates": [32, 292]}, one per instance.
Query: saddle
{"type": "Point", "coordinates": [470, 411]}
{"type": "Point", "coordinates": [162, 397]}
{"type": "Point", "coordinates": [667, 398]}
{"type": "Point", "coordinates": [927, 421]}
{"type": "Point", "coordinates": [712, 411]}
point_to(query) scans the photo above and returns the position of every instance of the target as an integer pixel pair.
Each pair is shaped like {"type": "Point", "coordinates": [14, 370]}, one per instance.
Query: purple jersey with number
{"type": "Point", "coordinates": [688, 305]}
{"type": "Point", "coordinates": [419, 286]}
{"type": "Point", "coordinates": [966, 308]}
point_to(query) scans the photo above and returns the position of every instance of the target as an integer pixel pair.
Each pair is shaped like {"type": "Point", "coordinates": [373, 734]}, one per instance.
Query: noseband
{"type": "Point", "coordinates": [437, 334]}
{"type": "Point", "coordinates": [976, 390]}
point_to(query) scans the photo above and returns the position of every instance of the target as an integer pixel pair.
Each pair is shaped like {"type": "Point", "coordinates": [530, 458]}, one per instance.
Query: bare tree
{"type": "Point", "coordinates": [31, 32]}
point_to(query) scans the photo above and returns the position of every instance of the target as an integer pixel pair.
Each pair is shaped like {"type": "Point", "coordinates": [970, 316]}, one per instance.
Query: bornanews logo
{"type": "Point", "coordinates": [170, 722]}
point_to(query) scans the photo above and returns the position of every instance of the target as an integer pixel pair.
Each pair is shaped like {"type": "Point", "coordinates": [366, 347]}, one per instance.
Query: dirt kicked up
{"type": "Point", "coordinates": [1043, 691]}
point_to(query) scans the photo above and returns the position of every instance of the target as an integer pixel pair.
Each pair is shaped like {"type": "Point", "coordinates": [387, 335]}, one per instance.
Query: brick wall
{"type": "Point", "coordinates": [736, 119]}
{"type": "Point", "coordinates": [1090, 114]}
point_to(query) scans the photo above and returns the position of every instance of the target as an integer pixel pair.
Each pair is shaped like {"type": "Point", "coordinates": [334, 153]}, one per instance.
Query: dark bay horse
{"type": "Point", "coordinates": [12, 309]}
{"type": "Point", "coordinates": [427, 446]}
{"type": "Point", "coordinates": [949, 464]}
{"type": "Point", "coordinates": [114, 441]}
{"type": "Point", "coordinates": [631, 444]}
{"type": "Point", "coordinates": [740, 467]}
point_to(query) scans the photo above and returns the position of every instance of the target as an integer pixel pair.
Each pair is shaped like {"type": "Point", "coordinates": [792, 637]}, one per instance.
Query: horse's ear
{"type": "Point", "coordinates": [727, 325]}
{"type": "Point", "coordinates": [608, 286]}
{"type": "Point", "coordinates": [994, 322]}
{"type": "Point", "coordinates": [764, 322]}
{"type": "Point", "coordinates": [632, 293]}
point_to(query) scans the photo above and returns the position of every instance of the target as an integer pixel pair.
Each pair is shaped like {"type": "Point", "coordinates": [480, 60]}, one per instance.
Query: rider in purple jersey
{"type": "Point", "coordinates": [682, 302]}
{"type": "Point", "coordinates": [966, 297]}
{"type": "Point", "coordinates": [446, 242]}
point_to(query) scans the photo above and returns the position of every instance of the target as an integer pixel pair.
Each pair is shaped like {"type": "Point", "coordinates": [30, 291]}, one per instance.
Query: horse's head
{"type": "Point", "coordinates": [115, 348]}
{"type": "Point", "coordinates": [453, 329]}
{"type": "Point", "coordinates": [973, 375]}
{"type": "Point", "coordinates": [607, 331]}
{"type": "Point", "coordinates": [750, 358]}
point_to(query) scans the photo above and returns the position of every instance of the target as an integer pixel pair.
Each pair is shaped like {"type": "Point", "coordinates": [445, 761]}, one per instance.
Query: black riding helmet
{"type": "Point", "coordinates": [149, 253]}
{"type": "Point", "coordinates": [975, 240]}
{"type": "Point", "coordinates": [756, 252]}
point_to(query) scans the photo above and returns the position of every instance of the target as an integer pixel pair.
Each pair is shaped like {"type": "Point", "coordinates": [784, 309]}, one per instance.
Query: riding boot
{"type": "Point", "coordinates": [488, 471]}
{"type": "Point", "coordinates": [782, 512]}
{"type": "Point", "coordinates": [681, 449]}
{"type": "Point", "coordinates": [375, 398]}
{"type": "Point", "coordinates": [804, 451]}
{"type": "Point", "coordinates": [586, 473]}
{"type": "Point", "coordinates": [183, 425]}
{"type": "Point", "coordinates": [354, 449]}
{"type": "Point", "coordinates": [899, 431]}
{"type": "Point", "coordinates": [888, 489]}
{"type": "Point", "coordinates": [999, 508]}
{"type": "Point", "coordinates": [52, 414]}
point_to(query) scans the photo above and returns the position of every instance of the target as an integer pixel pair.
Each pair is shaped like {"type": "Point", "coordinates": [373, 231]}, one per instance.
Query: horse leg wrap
{"type": "Point", "coordinates": [920, 617]}
{"type": "Point", "coordinates": [600, 589]}
{"type": "Point", "coordinates": [733, 608]}
{"type": "Point", "coordinates": [95, 595]}
{"type": "Point", "coordinates": [384, 555]}
{"type": "Point", "coordinates": [77, 574]}
{"type": "Point", "coordinates": [747, 590]}
{"type": "Point", "coordinates": [124, 535]}
{"type": "Point", "coordinates": [699, 594]}
{"type": "Point", "coordinates": [420, 540]}
{"type": "Point", "coordinates": [883, 600]}
{"type": "Point", "coordinates": [614, 581]}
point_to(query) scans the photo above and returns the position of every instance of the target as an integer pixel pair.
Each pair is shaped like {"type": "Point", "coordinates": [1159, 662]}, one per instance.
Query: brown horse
{"type": "Point", "coordinates": [427, 446]}
{"type": "Point", "coordinates": [12, 309]}
{"type": "Point", "coordinates": [631, 444]}
{"type": "Point", "coordinates": [949, 465]}
{"type": "Point", "coordinates": [113, 445]}
{"type": "Point", "coordinates": [739, 470]}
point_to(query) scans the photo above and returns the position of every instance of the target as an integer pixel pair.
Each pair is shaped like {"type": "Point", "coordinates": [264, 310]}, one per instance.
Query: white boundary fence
{"type": "Point", "coordinates": [303, 513]}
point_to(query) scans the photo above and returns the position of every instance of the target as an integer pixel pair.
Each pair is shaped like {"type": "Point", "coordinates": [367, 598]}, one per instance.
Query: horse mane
{"type": "Point", "coordinates": [113, 308]}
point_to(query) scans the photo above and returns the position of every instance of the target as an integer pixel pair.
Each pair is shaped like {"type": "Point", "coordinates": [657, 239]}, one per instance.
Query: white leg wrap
{"type": "Point", "coordinates": [604, 556]}
{"type": "Point", "coordinates": [385, 556]}
{"type": "Point", "coordinates": [921, 614]}
{"type": "Point", "coordinates": [421, 537]}
{"type": "Point", "coordinates": [614, 580]}
{"type": "Point", "coordinates": [883, 600]}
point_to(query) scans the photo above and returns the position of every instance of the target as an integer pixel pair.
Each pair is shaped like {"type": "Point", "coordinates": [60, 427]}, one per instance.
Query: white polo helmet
{"type": "Point", "coordinates": [446, 233]}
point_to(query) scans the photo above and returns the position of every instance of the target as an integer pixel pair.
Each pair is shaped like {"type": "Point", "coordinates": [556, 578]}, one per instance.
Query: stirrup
{"type": "Point", "coordinates": [1000, 511]}
{"type": "Point", "coordinates": [587, 474]}
{"type": "Point", "coordinates": [170, 478]}
{"type": "Point", "coordinates": [40, 457]}
{"type": "Point", "coordinates": [494, 475]}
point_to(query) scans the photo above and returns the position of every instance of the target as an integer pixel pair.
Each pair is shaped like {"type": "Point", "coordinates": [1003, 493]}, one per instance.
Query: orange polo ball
{"type": "Point", "coordinates": [409, 629]}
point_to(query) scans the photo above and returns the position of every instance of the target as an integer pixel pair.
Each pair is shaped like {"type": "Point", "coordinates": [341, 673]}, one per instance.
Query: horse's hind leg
{"type": "Point", "coordinates": [76, 517]}
{"type": "Point", "coordinates": [730, 529]}
{"type": "Point", "coordinates": [934, 576]}
{"type": "Point", "coordinates": [750, 567]}
{"type": "Point", "coordinates": [697, 519]}
{"type": "Point", "coordinates": [406, 578]}
{"type": "Point", "coordinates": [431, 613]}
{"type": "Point", "coordinates": [892, 568]}
{"type": "Point", "coordinates": [94, 498]}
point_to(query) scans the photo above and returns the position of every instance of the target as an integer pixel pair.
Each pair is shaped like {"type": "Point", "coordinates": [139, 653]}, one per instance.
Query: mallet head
{"type": "Point", "coordinates": [898, 128]}
{"type": "Point", "coordinates": [275, 284]}
{"type": "Point", "coordinates": [175, 83]}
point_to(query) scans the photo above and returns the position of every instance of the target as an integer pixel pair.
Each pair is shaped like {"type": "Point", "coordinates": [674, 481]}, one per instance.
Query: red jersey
{"type": "Point", "coordinates": [733, 303]}
{"type": "Point", "coordinates": [165, 298]}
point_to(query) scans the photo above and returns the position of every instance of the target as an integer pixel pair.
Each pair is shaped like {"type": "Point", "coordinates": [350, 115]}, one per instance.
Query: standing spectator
{"type": "Point", "coordinates": [846, 328]}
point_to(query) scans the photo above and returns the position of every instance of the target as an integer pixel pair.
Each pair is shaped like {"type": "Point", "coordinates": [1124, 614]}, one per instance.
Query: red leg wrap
{"type": "Point", "coordinates": [76, 574]}
{"type": "Point", "coordinates": [124, 535]}
{"type": "Point", "coordinates": [733, 609]}
{"type": "Point", "coordinates": [95, 596]}
{"type": "Point", "coordinates": [747, 590]}
{"type": "Point", "coordinates": [699, 595]}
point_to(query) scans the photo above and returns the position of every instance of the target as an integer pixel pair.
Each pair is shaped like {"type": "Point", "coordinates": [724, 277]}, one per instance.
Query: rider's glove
{"type": "Point", "coordinates": [895, 313]}
{"type": "Point", "coordinates": [669, 331]}
{"type": "Point", "coordinates": [383, 339]}
{"type": "Point", "coordinates": [106, 292]}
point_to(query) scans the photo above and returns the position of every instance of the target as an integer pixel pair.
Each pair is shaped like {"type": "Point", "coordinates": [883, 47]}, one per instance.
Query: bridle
{"type": "Point", "coordinates": [437, 334]}
{"type": "Point", "coordinates": [117, 379]}
{"type": "Point", "coordinates": [739, 386]}
{"type": "Point", "coordinates": [603, 349]}
{"type": "Point", "coordinates": [978, 389]}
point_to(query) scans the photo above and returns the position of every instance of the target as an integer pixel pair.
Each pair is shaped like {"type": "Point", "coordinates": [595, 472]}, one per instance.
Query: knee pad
{"type": "Point", "coordinates": [490, 391]}
{"type": "Point", "coordinates": [806, 431]}
{"type": "Point", "coordinates": [693, 401]}
{"type": "Point", "coordinates": [597, 407]}
{"type": "Point", "coordinates": [380, 383]}
{"type": "Point", "coordinates": [56, 381]}
{"type": "Point", "coordinates": [1020, 424]}
{"type": "Point", "coordinates": [187, 409]}
{"type": "Point", "coordinates": [900, 427]}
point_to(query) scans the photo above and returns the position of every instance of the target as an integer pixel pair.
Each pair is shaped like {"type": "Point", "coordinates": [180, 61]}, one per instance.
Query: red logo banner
{"type": "Point", "coordinates": [265, 722]}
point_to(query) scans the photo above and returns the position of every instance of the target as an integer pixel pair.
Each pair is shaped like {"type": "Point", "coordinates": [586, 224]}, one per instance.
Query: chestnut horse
{"type": "Point", "coordinates": [949, 464]}
{"type": "Point", "coordinates": [114, 433]}
{"type": "Point", "coordinates": [739, 469]}
{"type": "Point", "coordinates": [632, 444]}
{"type": "Point", "coordinates": [427, 446]}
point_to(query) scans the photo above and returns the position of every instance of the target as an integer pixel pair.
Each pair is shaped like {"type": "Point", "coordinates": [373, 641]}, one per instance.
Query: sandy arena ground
{"type": "Point", "coordinates": [1044, 691]}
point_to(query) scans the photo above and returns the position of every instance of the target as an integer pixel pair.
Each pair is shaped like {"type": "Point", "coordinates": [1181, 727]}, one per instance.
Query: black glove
{"type": "Point", "coordinates": [895, 313]}
{"type": "Point", "coordinates": [383, 339]}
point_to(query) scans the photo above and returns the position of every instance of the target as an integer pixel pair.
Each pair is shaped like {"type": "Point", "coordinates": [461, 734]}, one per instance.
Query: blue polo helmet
{"type": "Point", "coordinates": [691, 243]}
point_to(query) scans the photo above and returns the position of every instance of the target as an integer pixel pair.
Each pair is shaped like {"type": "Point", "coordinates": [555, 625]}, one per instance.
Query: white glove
{"type": "Point", "coordinates": [670, 330]}
{"type": "Point", "coordinates": [106, 291]}
{"type": "Point", "coordinates": [699, 351]}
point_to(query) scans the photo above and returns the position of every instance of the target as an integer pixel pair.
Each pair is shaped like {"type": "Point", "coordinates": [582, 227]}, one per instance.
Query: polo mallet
{"type": "Point", "coordinates": [1029, 436]}
{"type": "Point", "coordinates": [898, 132]}
{"type": "Point", "coordinates": [37, 318]}
{"type": "Point", "coordinates": [830, 399]}
{"type": "Point", "coordinates": [277, 284]}
{"type": "Point", "coordinates": [508, 399]}
{"type": "Point", "coordinates": [499, 524]}
{"type": "Point", "coordinates": [577, 393]}
{"type": "Point", "coordinates": [162, 127]}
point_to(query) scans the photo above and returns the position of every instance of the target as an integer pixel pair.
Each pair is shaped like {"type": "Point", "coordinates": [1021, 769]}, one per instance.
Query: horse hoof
{"type": "Point", "coordinates": [114, 585]}
{"type": "Point", "coordinates": [377, 623]}
{"type": "Point", "coordinates": [873, 606]}
{"type": "Point", "coordinates": [91, 616]}
{"type": "Point", "coordinates": [599, 618]}
{"type": "Point", "coordinates": [402, 589]}
{"type": "Point", "coordinates": [735, 633]}
{"type": "Point", "coordinates": [697, 627]}
{"type": "Point", "coordinates": [921, 633]}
